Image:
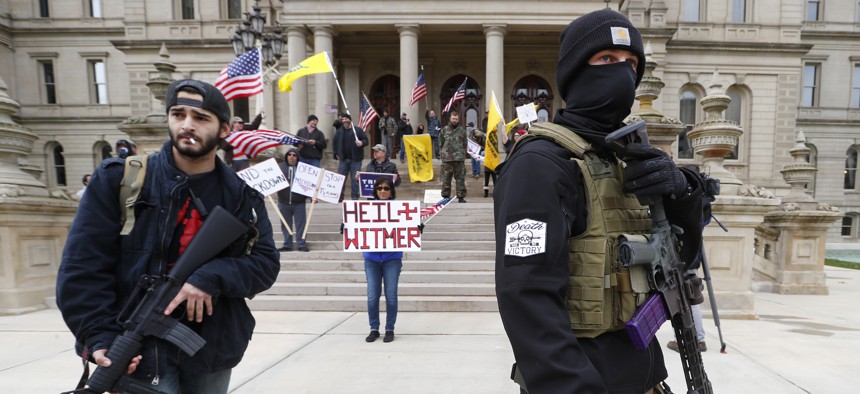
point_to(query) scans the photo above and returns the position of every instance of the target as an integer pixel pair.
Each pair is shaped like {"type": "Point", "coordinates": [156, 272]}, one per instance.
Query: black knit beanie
{"type": "Point", "coordinates": [592, 33]}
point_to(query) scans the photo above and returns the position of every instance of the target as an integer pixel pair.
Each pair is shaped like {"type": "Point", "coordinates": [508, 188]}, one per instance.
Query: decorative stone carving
{"type": "Point", "coordinates": [663, 130]}
{"type": "Point", "coordinates": [149, 132]}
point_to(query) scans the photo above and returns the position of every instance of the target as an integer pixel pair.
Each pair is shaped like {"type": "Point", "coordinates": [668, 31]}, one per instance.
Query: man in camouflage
{"type": "Point", "coordinates": [388, 132]}
{"type": "Point", "coordinates": [453, 151]}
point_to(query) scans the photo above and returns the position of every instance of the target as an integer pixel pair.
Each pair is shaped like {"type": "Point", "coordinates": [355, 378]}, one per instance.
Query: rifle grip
{"type": "Point", "coordinates": [123, 349]}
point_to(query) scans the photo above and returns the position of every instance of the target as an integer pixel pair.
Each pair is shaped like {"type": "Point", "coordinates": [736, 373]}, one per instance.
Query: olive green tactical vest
{"type": "Point", "coordinates": [602, 296]}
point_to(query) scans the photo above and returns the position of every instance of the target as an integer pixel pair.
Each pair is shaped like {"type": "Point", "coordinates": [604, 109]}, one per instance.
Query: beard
{"type": "Point", "coordinates": [203, 146]}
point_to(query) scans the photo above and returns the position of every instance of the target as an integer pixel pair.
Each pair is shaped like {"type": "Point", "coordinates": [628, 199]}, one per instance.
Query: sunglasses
{"type": "Point", "coordinates": [291, 154]}
{"type": "Point", "coordinates": [386, 188]}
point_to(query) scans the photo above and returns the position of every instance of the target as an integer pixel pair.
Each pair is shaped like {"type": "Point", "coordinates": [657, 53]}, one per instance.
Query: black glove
{"type": "Point", "coordinates": [341, 228]}
{"type": "Point", "coordinates": [421, 228]}
{"type": "Point", "coordinates": [651, 172]}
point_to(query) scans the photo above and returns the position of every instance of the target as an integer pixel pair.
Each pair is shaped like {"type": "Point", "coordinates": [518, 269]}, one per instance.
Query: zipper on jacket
{"type": "Point", "coordinates": [162, 246]}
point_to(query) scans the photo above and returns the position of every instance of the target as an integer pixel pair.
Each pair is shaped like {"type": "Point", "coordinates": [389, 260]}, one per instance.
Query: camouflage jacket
{"type": "Point", "coordinates": [388, 126]}
{"type": "Point", "coordinates": [453, 143]}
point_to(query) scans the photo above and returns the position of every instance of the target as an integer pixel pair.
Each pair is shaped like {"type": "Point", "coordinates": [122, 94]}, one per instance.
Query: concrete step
{"type": "Point", "coordinates": [405, 277]}
{"type": "Point", "coordinates": [359, 303]}
{"type": "Point", "coordinates": [403, 289]}
{"type": "Point", "coordinates": [340, 255]}
{"type": "Point", "coordinates": [431, 234]}
{"type": "Point", "coordinates": [426, 245]}
{"type": "Point", "coordinates": [358, 265]}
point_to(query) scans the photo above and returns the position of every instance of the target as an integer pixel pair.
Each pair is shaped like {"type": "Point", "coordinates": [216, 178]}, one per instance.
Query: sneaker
{"type": "Point", "coordinates": [286, 249]}
{"type": "Point", "coordinates": [389, 336]}
{"type": "Point", "coordinates": [461, 199]}
{"type": "Point", "coordinates": [372, 336]}
{"type": "Point", "coordinates": [703, 347]}
{"type": "Point", "coordinates": [304, 249]}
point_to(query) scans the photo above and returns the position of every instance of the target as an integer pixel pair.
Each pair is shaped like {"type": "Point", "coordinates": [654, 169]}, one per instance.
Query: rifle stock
{"type": "Point", "coordinates": [148, 319]}
{"type": "Point", "coordinates": [660, 256]}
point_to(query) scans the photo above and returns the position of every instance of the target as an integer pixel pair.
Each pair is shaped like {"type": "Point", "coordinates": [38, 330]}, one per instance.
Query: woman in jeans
{"type": "Point", "coordinates": [379, 267]}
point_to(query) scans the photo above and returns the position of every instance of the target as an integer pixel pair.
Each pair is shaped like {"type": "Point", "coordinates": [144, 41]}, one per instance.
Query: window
{"type": "Point", "coordinates": [739, 11]}
{"type": "Point", "coordinates": [49, 84]}
{"type": "Point", "coordinates": [101, 151]}
{"type": "Point", "coordinates": [813, 10]}
{"type": "Point", "coordinates": [43, 9]}
{"type": "Point", "coordinates": [95, 8]}
{"type": "Point", "coordinates": [735, 113]}
{"type": "Point", "coordinates": [857, 17]}
{"type": "Point", "coordinates": [57, 165]}
{"type": "Point", "coordinates": [848, 226]}
{"type": "Point", "coordinates": [850, 172]}
{"type": "Point", "coordinates": [855, 87]}
{"type": "Point", "coordinates": [809, 92]}
{"type": "Point", "coordinates": [234, 9]}
{"type": "Point", "coordinates": [688, 112]}
{"type": "Point", "coordinates": [186, 9]}
{"type": "Point", "coordinates": [692, 11]}
{"type": "Point", "coordinates": [98, 82]}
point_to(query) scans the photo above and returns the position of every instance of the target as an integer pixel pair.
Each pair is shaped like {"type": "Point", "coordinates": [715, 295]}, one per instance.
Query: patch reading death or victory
{"type": "Point", "coordinates": [620, 36]}
{"type": "Point", "coordinates": [525, 238]}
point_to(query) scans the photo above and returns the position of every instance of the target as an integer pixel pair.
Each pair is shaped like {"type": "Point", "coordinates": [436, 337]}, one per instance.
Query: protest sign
{"type": "Point", "coordinates": [265, 177]}
{"type": "Point", "coordinates": [527, 113]}
{"type": "Point", "coordinates": [331, 187]}
{"type": "Point", "coordinates": [371, 226]}
{"type": "Point", "coordinates": [368, 179]}
{"type": "Point", "coordinates": [432, 195]}
{"type": "Point", "coordinates": [306, 180]}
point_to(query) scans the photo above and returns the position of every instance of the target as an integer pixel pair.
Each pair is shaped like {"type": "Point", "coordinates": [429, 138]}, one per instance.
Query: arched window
{"type": "Point", "coordinates": [533, 89]}
{"type": "Point", "coordinates": [850, 225]}
{"type": "Point", "coordinates": [737, 112]}
{"type": "Point", "coordinates": [850, 173]}
{"type": "Point", "coordinates": [469, 106]}
{"type": "Point", "coordinates": [812, 159]}
{"type": "Point", "coordinates": [101, 151]}
{"type": "Point", "coordinates": [689, 116]}
{"type": "Point", "coordinates": [56, 164]}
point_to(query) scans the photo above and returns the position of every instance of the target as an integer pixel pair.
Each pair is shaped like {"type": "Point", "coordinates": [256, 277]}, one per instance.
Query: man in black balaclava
{"type": "Point", "coordinates": [561, 296]}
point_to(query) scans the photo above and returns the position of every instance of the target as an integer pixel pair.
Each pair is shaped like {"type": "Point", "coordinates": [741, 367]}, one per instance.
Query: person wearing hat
{"type": "Point", "coordinates": [404, 127]}
{"type": "Point", "coordinates": [387, 128]}
{"type": "Point", "coordinates": [310, 152]}
{"type": "Point", "coordinates": [239, 161]}
{"type": "Point", "coordinates": [349, 142]}
{"type": "Point", "coordinates": [102, 264]}
{"type": "Point", "coordinates": [381, 164]}
{"type": "Point", "coordinates": [560, 311]}
{"type": "Point", "coordinates": [292, 205]}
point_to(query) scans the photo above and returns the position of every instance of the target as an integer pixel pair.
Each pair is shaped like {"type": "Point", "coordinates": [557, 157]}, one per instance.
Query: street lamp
{"type": "Point", "coordinates": [252, 34]}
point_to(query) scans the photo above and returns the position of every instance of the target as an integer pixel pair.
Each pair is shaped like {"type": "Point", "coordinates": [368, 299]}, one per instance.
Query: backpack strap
{"type": "Point", "coordinates": [560, 135]}
{"type": "Point", "coordinates": [133, 177]}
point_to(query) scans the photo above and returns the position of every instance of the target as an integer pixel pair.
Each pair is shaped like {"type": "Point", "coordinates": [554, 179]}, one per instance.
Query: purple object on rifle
{"type": "Point", "coordinates": [647, 320]}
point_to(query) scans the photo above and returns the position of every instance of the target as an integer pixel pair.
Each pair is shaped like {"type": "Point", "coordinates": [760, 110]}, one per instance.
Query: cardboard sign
{"type": "Point", "coordinates": [307, 179]}
{"type": "Point", "coordinates": [526, 113]}
{"type": "Point", "coordinates": [366, 180]}
{"type": "Point", "coordinates": [372, 226]}
{"type": "Point", "coordinates": [331, 187]}
{"type": "Point", "coordinates": [432, 196]}
{"type": "Point", "coordinates": [265, 177]}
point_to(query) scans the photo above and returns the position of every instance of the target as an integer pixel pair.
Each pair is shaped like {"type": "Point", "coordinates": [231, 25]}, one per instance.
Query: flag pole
{"type": "Point", "coordinates": [426, 86]}
{"type": "Point", "coordinates": [261, 103]}
{"type": "Point", "coordinates": [437, 212]}
{"type": "Point", "coordinates": [337, 82]}
{"type": "Point", "coordinates": [284, 221]}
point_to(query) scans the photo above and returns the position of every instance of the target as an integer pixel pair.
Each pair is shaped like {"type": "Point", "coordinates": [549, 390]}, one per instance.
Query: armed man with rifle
{"type": "Point", "coordinates": [564, 203]}
{"type": "Point", "coordinates": [138, 295]}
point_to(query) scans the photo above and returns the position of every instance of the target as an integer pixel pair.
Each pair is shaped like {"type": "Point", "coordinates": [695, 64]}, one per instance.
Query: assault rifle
{"type": "Point", "coordinates": [148, 318]}
{"type": "Point", "coordinates": [671, 290]}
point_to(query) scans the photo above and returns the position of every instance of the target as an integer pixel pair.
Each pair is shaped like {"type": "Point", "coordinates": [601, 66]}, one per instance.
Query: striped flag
{"type": "Point", "coordinates": [280, 137]}
{"type": "Point", "coordinates": [242, 77]}
{"type": "Point", "coordinates": [249, 143]}
{"type": "Point", "coordinates": [420, 89]}
{"type": "Point", "coordinates": [432, 210]}
{"type": "Point", "coordinates": [367, 113]}
{"type": "Point", "coordinates": [458, 95]}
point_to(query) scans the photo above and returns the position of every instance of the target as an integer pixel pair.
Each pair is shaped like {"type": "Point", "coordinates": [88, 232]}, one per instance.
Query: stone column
{"type": "Point", "coordinates": [408, 71]}
{"type": "Point", "coordinates": [298, 96]}
{"type": "Point", "coordinates": [326, 92]}
{"type": "Point", "coordinates": [150, 132]}
{"type": "Point", "coordinates": [495, 37]}
{"type": "Point", "coordinates": [33, 225]}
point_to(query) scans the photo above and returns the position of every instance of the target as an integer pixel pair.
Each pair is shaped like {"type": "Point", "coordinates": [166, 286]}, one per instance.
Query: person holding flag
{"type": "Point", "coordinates": [348, 146]}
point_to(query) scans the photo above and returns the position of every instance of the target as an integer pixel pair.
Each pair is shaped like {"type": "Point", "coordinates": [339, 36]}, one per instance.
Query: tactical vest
{"type": "Point", "coordinates": [602, 295]}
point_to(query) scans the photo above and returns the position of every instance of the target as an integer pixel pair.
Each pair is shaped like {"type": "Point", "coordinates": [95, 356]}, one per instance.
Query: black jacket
{"type": "Point", "coordinates": [309, 151]}
{"type": "Point", "coordinates": [386, 167]}
{"type": "Point", "coordinates": [532, 290]}
{"type": "Point", "coordinates": [344, 142]}
{"type": "Point", "coordinates": [255, 124]}
{"type": "Point", "coordinates": [286, 196]}
{"type": "Point", "coordinates": [100, 268]}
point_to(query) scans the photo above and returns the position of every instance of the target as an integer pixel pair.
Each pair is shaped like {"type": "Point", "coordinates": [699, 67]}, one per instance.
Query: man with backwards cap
{"type": "Point", "coordinates": [558, 214]}
{"type": "Point", "coordinates": [101, 265]}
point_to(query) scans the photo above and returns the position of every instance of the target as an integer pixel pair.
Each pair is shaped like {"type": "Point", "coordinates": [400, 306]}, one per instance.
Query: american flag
{"type": "Point", "coordinates": [458, 95]}
{"type": "Point", "coordinates": [420, 89]}
{"type": "Point", "coordinates": [428, 212]}
{"type": "Point", "coordinates": [249, 143]}
{"type": "Point", "coordinates": [242, 77]}
{"type": "Point", "coordinates": [280, 137]}
{"type": "Point", "coordinates": [367, 113]}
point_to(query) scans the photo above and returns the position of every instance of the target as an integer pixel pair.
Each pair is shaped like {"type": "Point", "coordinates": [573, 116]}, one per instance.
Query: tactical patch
{"type": "Point", "coordinates": [525, 238]}
{"type": "Point", "coordinates": [620, 36]}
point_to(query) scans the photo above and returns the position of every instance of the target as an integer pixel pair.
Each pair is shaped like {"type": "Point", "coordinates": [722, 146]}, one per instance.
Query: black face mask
{"type": "Point", "coordinates": [599, 98]}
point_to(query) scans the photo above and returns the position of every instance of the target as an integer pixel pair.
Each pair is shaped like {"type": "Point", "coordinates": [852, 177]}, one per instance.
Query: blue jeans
{"type": "Point", "coordinates": [349, 167]}
{"type": "Point", "coordinates": [178, 378]}
{"type": "Point", "coordinates": [435, 146]}
{"type": "Point", "coordinates": [295, 216]}
{"type": "Point", "coordinates": [313, 162]}
{"type": "Point", "coordinates": [376, 273]}
{"type": "Point", "coordinates": [402, 149]}
{"type": "Point", "coordinates": [476, 167]}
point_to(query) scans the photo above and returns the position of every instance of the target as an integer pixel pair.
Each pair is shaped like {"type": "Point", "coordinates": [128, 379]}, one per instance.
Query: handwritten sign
{"type": "Point", "coordinates": [265, 177]}
{"type": "Point", "coordinates": [371, 226]}
{"type": "Point", "coordinates": [368, 179]}
{"type": "Point", "coordinates": [432, 196]}
{"type": "Point", "coordinates": [331, 187]}
{"type": "Point", "coordinates": [526, 113]}
{"type": "Point", "coordinates": [306, 180]}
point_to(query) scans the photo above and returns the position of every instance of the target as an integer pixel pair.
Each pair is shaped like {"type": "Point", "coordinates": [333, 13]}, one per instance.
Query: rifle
{"type": "Point", "coordinates": [671, 290]}
{"type": "Point", "coordinates": [148, 318]}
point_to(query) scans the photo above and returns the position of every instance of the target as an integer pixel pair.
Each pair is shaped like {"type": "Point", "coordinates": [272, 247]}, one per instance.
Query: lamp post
{"type": "Point", "coordinates": [253, 34]}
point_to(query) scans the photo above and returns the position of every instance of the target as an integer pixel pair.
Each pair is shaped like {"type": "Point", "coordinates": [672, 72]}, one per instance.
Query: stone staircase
{"type": "Point", "coordinates": [454, 271]}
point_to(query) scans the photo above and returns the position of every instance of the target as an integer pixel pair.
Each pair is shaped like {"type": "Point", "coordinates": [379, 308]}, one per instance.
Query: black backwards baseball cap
{"type": "Point", "coordinates": [592, 33]}
{"type": "Point", "coordinates": [213, 99]}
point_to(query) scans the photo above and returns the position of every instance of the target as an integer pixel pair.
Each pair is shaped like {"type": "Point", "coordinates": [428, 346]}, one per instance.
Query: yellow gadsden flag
{"type": "Point", "coordinates": [491, 144]}
{"type": "Point", "coordinates": [316, 64]}
{"type": "Point", "coordinates": [419, 154]}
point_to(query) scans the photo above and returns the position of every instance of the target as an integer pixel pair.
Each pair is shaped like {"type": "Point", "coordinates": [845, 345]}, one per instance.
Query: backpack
{"type": "Point", "coordinates": [130, 187]}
